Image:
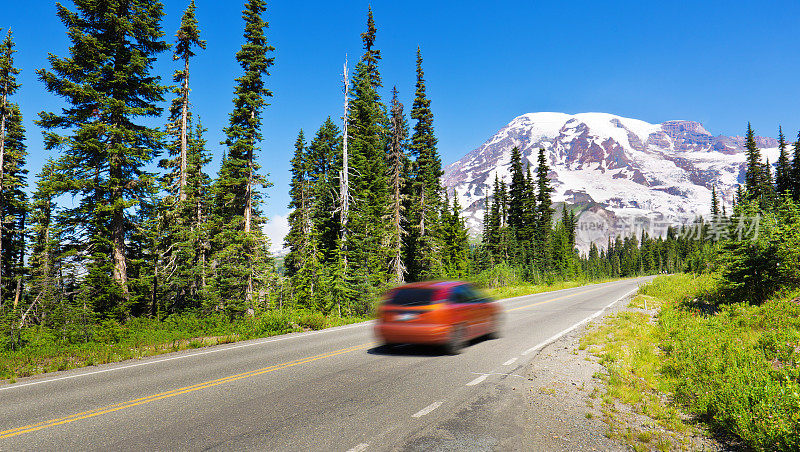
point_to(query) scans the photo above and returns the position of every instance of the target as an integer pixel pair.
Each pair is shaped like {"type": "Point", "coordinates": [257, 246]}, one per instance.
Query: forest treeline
{"type": "Point", "coordinates": [367, 206]}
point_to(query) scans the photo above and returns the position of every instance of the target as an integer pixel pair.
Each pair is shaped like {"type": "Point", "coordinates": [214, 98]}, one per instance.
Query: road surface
{"type": "Point", "coordinates": [333, 389]}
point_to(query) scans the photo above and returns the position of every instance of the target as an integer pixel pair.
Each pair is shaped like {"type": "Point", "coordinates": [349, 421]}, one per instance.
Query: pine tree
{"type": "Point", "coordinates": [14, 206]}
{"type": "Point", "coordinates": [241, 255]}
{"type": "Point", "coordinates": [455, 241]}
{"type": "Point", "coordinates": [8, 86]}
{"type": "Point", "coordinates": [371, 55]}
{"type": "Point", "coordinates": [783, 176]}
{"type": "Point", "coordinates": [398, 134]}
{"type": "Point", "coordinates": [530, 215]}
{"type": "Point", "coordinates": [325, 164]}
{"type": "Point", "coordinates": [45, 250]}
{"type": "Point", "coordinates": [544, 212]}
{"type": "Point", "coordinates": [767, 185]}
{"type": "Point", "coordinates": [426, 183]}
{"type": "Point", "coordinates": [754, 177]}
{"type": "Point", "coordinates": [516, 194]}
{"type": "Point", "coordinates": [714, 203]}
{"type": "Point", "coordinates": [299, 234]}
{"type": "Point", "coordinates": [109, 90]}
{"type": "Point", "coordinates": [188, 37]}
{"type": "Point", "coordinates": [367, 254]}
{"type": "Point", "coordinates": [493, 232]}
{"type": "Point", "coordinates": [302, 262]}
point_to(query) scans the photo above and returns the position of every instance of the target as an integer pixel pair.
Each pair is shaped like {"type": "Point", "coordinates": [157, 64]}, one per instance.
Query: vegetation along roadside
{"type": "Point", "coordinates": [689, 364]}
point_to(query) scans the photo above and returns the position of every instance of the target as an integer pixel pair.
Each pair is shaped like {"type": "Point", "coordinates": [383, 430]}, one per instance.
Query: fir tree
{"type": "Point", "coordinates": [455, 239]}
{"type": "Point", "coordinates": [544, 212]}
{"type": "Point", "coordinates": [371, 55]}
{"type": "Point", "coordinates": [754, 177]}
{"type": "Point", "coordinates": [714, 203]}
{"type": "Point", "coordinates": [109, 90]}
{"type": "Point", "coordinates": [302, 262]}
{"type": "Point", "coordinates": [14, 206]}
{"type": "Point", "coordinates": [367, 254]}
{"type": "Point", "coordinates": [45, 250]}
{"type": "Point", "coordinates": [398, 134]}
{"type": "Point", "coordinates": [8, 86]}
{"type": "Point", "coordinates": [187, 37]}
{"type": "Point", "coordinates": [240, 246]}
{"type": "Point", "coordinates": [297, 238]}
{"type": "Point", "coordinates": [325, 164]}
{"type": "Point", "coordinates": [516, 194]}
{"type": "Point", "coordinates": [783, 175]}
{"type": "Point", "coordinates": [426, 183]}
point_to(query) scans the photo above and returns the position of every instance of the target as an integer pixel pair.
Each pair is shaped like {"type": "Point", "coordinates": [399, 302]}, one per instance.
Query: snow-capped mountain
{"type": "Point", "coordinates": [627, 168]}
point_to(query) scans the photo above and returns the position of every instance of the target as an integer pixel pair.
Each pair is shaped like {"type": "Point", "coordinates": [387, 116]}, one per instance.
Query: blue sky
{"type": "Point", "coordinates": [720, 63]}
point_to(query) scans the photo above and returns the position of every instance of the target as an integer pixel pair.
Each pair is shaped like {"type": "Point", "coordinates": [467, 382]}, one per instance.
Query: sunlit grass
{"type": "Point", "coordinates": [736, 368]}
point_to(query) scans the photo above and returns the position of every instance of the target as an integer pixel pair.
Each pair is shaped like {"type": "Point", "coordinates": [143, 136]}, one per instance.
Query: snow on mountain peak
{"type": "Point", "coordinates": [625, 165]}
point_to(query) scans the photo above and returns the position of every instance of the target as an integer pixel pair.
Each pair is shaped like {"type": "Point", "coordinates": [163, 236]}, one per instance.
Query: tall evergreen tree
{"type": "Point", "coordinates": [302, 262]}
{"type": "Point", "coordinates": [754, 177]}
{"type": "Point", "coordinates": [783, 174]}
{"type": "Point", "coordinates": [516, 194]}
{"type": "Point", "coordinates": [44, 259]}
{"type": "Point", "coordinates": [455, 239]}
{"type": "Point", "coordinates": [8, 86]}
{"type": "Point", "coordinates": [14, 206]}
{"type": "Point", "coordinates": [241, 255]}
{"type": "Point", "coordinates": [297, 239]}
{"type": "Point", "coordinates": [109, 90]}
{"type": "Point", "coordinates": [544, 212]}
{"type": "Point", "coordinates": [714, 203]}
{"type": "Point", "coordinates": [325, 164]}
{"type": "Point", "coordinates": [187, 37]}
{"type": "Point", "coordinates": [398, 134]}
{"type": "Point", "coordinates": [367, 251]}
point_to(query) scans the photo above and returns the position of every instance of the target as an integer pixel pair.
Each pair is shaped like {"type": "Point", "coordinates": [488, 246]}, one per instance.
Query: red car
{"type": "Point", "coordinates": [445, 313]}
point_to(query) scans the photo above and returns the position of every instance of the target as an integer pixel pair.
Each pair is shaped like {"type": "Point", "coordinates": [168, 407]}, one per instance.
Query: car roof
{"type": "Point", "coordinates": [431, 285]}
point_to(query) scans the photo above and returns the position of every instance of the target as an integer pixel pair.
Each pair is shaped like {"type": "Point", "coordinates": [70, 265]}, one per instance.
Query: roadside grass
{"type": "Point", "coordinates": [518, 290]}
{"type": "Point", "coordinates": [733, 368]}
{"type": "Point", "coordinates": [109, 341]}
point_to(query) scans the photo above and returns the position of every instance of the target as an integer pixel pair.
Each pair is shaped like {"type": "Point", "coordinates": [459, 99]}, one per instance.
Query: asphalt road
{"type": "Point", "coordinates": [334, 389]}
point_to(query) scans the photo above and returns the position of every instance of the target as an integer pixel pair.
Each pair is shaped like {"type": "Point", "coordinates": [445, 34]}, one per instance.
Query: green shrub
{"type": "Point", "coordinates": [498, 276]}
{"type": "Point", "coordinates": [315, 321]}
{"type": "Point", "coordinates": [736, 368]}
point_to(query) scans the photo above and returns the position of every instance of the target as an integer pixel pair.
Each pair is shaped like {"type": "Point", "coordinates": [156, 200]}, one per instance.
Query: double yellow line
{"type": "Point", "coordinates": [562, 297]}
{"type": "Point", "coordinates": [173, 393]}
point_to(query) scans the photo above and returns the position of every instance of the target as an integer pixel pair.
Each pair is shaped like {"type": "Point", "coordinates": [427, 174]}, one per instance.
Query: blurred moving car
{"type": "Point", "coordinates": [445, 313]}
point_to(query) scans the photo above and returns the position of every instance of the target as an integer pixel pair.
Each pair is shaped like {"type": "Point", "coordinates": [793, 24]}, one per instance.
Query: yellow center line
{"type": "Point", "coordinates": [560, 298]}
{"type": "Point", "coordinates": [174, 392]}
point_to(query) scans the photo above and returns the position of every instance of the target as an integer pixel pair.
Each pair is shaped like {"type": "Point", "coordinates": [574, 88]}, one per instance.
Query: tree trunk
{"type": "Point", "coordinates": [248, 213]}
{"type": "Point", "coordinates": [184, 125]}
{"type": "Point", "coordinates": [120, 269]}
{"type": "Point", "coordinates": [344, 180]}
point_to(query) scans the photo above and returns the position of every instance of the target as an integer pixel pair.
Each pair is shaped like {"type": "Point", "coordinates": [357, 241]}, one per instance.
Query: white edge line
{"type": "Point", "coordinates": [478, 380]}
{"type": "Point", "coordinates": [551, 292]}
{"type": "Point", "coordinates": [359, 448]}
{"type": "Point", "coordinates": [587, 319]}
{"type": "Point", "coordinates": [206, 352]}
{"type": "Point", "coordinates": [427, 409]}
{"type": "Point", "coordinates": [510, 362]}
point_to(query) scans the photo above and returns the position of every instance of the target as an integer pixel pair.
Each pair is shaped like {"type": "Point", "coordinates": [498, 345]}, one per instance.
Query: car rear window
{"type": "Point", "coordinates": [411, 297]}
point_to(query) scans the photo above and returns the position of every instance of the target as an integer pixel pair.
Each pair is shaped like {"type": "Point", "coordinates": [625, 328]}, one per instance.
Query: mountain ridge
{"type": "Point", "coordinates": [625, 166]}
